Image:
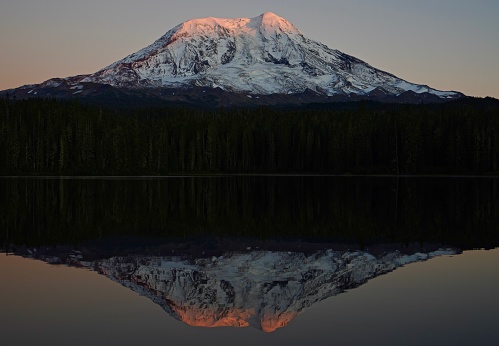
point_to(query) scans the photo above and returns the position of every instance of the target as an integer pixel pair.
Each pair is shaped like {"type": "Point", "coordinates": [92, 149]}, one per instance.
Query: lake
{"type": "Point", "coordinates": [249, 260]}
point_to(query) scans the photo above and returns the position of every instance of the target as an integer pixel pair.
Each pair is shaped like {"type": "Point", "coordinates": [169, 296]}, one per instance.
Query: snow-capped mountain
{"type": "Point", "coordinates": [265, 55]}
{"type": "Point", "coordinates": [262, 55]}
{"type": "Point", "coordinates": [260, 289]}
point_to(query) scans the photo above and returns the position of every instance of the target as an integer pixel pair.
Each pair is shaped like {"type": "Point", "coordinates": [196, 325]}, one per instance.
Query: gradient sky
{"type": "Point", "coordinates": [447, 44]}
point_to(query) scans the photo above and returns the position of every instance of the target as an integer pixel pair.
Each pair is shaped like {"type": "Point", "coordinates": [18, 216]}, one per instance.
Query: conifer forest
{"type": "Point", "coordinates": [46, 137]}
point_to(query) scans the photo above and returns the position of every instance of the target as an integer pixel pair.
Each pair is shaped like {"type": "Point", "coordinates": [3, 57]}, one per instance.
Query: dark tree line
{"type": "Point", "coordinates": [50, 137]}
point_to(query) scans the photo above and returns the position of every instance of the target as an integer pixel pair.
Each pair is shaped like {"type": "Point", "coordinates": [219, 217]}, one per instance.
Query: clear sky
{"type": "Point", "coordinates": [447, 44]}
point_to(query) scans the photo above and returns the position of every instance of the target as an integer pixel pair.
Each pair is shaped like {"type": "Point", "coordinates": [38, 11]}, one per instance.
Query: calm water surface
{"type": "Point", "coordinates": [249, 260]}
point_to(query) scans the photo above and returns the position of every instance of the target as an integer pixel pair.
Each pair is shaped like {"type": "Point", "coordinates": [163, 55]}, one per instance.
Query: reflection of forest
{"type": "Point", "coordinates": [459, 212]}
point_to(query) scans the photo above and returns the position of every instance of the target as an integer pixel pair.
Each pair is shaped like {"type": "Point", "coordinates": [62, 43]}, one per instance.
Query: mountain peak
{"type": "Point", "coordinates": [267, 21]}
{"type": "Point", "coordinates": [272, 20]}
{"type": "Point", "coordinates": [271, 17]}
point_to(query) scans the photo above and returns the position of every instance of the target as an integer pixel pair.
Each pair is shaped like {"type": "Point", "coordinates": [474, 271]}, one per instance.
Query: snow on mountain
{"type": "Point", "coordinates": [238, 59]}
{"type": "Point", "coordinates": [262, 55]}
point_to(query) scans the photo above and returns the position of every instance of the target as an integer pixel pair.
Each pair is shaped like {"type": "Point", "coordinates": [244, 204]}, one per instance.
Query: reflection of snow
{"type": "Point", "coordinates": [262, 289]}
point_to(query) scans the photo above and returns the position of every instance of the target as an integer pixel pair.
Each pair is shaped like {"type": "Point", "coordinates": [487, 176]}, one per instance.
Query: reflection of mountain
{"type": "Point", "coordinates": [262, 289]}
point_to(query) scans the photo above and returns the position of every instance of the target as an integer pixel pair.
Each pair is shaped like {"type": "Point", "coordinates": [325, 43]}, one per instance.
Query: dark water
{"type": "Point", "coordinates": [287, 259]}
